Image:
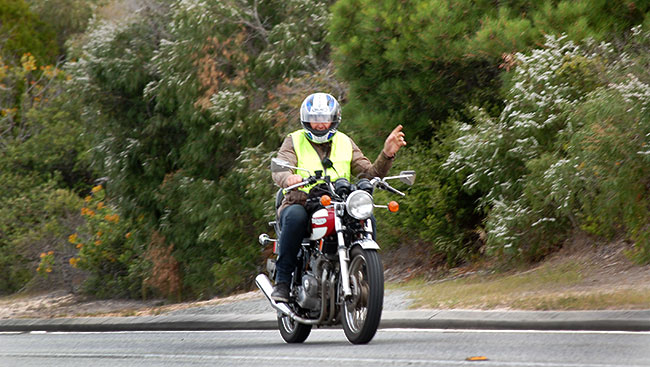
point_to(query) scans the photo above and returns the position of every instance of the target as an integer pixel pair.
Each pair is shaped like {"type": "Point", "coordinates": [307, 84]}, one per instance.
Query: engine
{"type": "Point", "coordinates": [307, 293]}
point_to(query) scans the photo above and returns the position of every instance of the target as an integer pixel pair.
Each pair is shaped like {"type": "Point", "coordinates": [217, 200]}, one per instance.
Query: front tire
{"type": "Point", "coordinates": [292, 331]}
{"type": "Point", "coordinates": [362, 312]}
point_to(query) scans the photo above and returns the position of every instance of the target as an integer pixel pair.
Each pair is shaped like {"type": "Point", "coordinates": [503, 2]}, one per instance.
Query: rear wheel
{"type": "Point", "coordinates": [362, 311]}
{"type": "Point", "coordinates": [292, 331]}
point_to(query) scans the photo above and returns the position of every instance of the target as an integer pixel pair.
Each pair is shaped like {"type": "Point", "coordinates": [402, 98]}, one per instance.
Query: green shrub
{"type": "Point", "coordinates": [435, 211]}
{"type": "Point", "coordinates": [418, 61]}
{"type": "Point", "coordinates": [107, 250]}
{"type": "Point", "coordinates": [41, 146]}
{"type": "Point", "coordinates": [566, 152]}
{"type": "Point", "coordinates": [22, 32]}
{"type": "Point", "coordinates": [66, 18]}
{"type": "Point", "coordinates": [183, 117]}
{"type": "Point", "coordinates": [611, 157]}
{"type": "Point", "coordinates": [35, 217]}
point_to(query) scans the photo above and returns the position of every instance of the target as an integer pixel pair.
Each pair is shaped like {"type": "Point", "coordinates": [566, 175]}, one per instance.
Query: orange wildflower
{"type": "Point", "coordinates": [112, 218]}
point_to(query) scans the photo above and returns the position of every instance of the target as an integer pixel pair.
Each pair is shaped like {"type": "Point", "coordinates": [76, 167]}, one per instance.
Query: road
{"type": "Point", "coordinates": [327, 347]}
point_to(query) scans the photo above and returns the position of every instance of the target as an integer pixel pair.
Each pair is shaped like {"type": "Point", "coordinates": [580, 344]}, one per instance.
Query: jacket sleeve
{"type": "Point", "coordinates": [363, 168]}
{"type": "Point", "coordinates": [288, 154]}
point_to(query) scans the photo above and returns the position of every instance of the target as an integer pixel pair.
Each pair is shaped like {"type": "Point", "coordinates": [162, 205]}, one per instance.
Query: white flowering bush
{"type": "Point", "coordinates": [542, 167]}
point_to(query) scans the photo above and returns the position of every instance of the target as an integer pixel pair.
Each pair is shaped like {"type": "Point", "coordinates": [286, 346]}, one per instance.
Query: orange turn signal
{"type": "Point", "coordinates": [325, 200]}
{"type": "Point", "coordinates": [393, 206]}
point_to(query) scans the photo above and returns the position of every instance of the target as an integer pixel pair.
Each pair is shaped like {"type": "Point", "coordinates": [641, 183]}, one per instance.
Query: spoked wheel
{"type": "Point", "coordinates": [362, 312]}
{"type": "Point", "coordinates": [292, 331]}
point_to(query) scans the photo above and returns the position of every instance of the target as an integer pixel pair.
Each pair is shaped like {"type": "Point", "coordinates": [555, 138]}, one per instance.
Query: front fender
{"type": "Point", "coordinates": [366, 244]}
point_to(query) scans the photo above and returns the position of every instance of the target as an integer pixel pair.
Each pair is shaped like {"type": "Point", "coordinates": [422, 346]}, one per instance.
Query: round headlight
{"type": "Point", "coordinates": [360, 205]}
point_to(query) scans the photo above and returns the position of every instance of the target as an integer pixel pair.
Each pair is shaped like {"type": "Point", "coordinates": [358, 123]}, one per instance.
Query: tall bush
{"type": "Point", "coordinates": [437, 213]}
{"type": "Point", "coordinates": [184, 104]}
{"type": "Point", "coordinates": [42, 146]}
{"type": "Point", "coordinates": [553, 159]}
{"type": "Point", "coordinates": [414, 62]}
{"type": "Point", "coordinates": [421, 63]}
{"type": "Point", "coordinates": [21, 32]}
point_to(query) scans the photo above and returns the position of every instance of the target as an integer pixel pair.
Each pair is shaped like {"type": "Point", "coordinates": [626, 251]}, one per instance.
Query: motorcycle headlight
{"type": "Point", "coordinates": [359, 205]}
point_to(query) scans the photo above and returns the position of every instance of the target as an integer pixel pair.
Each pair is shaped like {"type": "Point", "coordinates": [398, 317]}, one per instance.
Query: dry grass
{"type": "Point", "coordinates": [565, 285]}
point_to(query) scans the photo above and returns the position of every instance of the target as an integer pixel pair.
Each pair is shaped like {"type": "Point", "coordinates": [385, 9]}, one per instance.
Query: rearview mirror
{"type": "Point", "coordinates": [279, 165]}
{"type": "Point", "coordinates": [407, 177]}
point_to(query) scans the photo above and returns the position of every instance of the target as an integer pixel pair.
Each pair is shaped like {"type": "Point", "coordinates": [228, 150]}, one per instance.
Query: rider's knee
{"type": "Point", "coordinates": [294, 215]}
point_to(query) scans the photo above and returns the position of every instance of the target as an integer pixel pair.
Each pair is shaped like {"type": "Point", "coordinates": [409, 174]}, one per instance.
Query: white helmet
{"type": "Point", "coordinates": [320, 107]}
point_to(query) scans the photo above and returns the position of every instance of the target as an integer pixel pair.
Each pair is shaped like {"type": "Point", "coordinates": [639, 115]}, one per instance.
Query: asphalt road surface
{"type": "Point", "coordinates": [327, 347]}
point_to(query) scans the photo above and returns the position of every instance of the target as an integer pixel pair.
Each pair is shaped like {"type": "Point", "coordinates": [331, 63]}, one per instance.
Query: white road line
{"type": "Point", "coordinates": [274, 359]}
{"type": "Point", "coordinates": [166, 332]}
{"type": "Point", "coordinates": [488, 331]}
{"type": "Point", "coordinates": [469, 331]}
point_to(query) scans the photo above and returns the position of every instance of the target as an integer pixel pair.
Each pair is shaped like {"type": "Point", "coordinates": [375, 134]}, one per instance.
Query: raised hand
{"type": "Point", "coordinates": [394, 141]}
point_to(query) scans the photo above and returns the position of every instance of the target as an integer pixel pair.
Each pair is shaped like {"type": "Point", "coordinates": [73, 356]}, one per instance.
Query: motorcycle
{"type": "Point", "coordinates": [339, 278]}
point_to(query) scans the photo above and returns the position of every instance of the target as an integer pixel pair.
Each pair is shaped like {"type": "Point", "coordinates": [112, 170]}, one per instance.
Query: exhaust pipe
{"type": "Point", "coordinates": [264, 284]}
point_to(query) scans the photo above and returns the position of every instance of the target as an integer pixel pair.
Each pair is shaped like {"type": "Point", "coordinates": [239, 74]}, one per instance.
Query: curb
{"type": "Point", "coordinates": [521, 320]}
{"type": "Point", "coordinates": [419, 319]}
{"type": "Point", "coordinates": [144, 323]}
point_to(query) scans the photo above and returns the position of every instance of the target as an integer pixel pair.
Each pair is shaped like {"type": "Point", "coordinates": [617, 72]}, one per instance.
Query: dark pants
{"type": "Point", "coordinates": [293, 221]}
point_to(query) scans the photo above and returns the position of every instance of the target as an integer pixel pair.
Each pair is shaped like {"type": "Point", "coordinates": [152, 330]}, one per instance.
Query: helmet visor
{"type": "Point", "coordinates": [320, 117]}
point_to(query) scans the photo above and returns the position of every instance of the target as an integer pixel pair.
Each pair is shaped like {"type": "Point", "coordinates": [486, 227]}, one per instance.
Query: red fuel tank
{"type": "Point", "coordinates": [322, 223]}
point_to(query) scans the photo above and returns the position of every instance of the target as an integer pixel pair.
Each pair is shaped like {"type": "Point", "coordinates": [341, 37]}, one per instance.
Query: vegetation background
{"type": "Point", "coordinates": [135, 135]}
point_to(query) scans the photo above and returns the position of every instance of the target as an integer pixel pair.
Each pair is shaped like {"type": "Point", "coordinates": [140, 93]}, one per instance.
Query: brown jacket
{"type": "Point", "coordinates": [360, 166]}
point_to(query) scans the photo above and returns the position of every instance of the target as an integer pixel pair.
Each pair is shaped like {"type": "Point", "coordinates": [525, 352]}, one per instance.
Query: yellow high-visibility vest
{"type": "Point", "coordinates": [340, 155]}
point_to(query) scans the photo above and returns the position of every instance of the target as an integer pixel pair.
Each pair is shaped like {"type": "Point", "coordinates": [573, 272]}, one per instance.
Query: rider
{"type": "Point", "coordinates": [320, 116]}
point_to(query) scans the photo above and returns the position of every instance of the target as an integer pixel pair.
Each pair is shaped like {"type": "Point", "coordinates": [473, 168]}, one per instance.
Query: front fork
{"type": "Point", "coordinates": [344, 259]}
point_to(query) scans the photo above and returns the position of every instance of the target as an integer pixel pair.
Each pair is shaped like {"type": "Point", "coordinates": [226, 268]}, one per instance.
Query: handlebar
{"type": "Point", "coordinates": [309, 181]}
{"type": "Point", "coordinates": [385, 186]}
{"type": "Point", "coordinates": [376, 182]}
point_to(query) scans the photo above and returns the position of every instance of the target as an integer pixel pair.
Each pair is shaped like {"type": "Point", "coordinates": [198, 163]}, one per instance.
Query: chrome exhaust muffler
{"type": "Point", "coordinates": [264, 284]}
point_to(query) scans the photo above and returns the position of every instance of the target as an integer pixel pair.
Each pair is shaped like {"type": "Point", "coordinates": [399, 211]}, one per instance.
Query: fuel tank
{"type": "Point", "coordinates": [322, 223]}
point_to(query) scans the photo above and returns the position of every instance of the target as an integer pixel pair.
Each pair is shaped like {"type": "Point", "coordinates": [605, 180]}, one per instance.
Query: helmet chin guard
{"type": "Point", "coordinates": [320, 107]}
{"type": "Point", "coordinates": [325, 135]}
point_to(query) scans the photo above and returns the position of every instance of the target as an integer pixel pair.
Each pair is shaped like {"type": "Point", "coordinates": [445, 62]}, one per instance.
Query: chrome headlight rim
{"type": "Point", "coordinates": [359, 205]}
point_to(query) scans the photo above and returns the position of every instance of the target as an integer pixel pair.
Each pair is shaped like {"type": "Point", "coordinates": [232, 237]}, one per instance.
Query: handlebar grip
{"type": "Point", "coordinates": [299, 184]}
{"type": "Point", "coordinates": [389, 188]}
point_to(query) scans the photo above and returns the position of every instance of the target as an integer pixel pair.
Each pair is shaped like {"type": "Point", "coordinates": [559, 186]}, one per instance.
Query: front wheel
{"type": "Point", "coordinates": [291, 330]}
{"type": "Point", "coordinates": [362, 311]}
